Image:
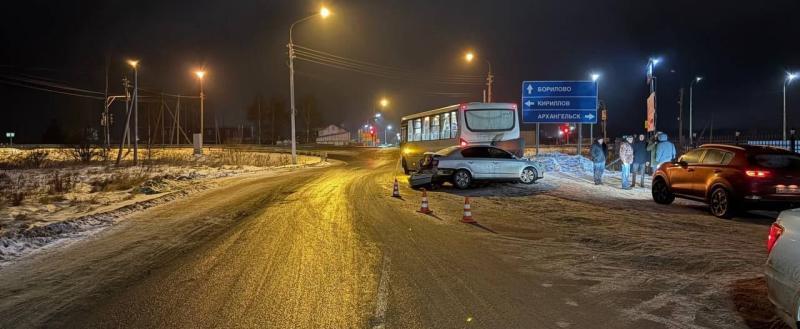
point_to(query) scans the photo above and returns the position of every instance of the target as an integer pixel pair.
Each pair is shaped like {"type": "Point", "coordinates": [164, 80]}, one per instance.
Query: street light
{"type": "Point", "coordinates": [651, 79]}
{"type": "Point", "coordinates": [135, 65]}
{"type": "Point", "coordinates": [595, 77]}
{"type": "Point", "coordinates": [469, 57]}
{"type": "Point", "coordinates": [324, 12]}
{"type": "Point", "coordinates": [385, 132]}
{"type": "Point", "coordinates": [384, 102]}
{"type": "Point", "coordinates": [200, 75]}
{"type": "Point", "coordinates": [694, 81]}
{"type": "Point", "coordinates": [789, 77]}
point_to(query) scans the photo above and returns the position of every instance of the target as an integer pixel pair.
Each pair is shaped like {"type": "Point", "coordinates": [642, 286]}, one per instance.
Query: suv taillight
{"type": "Point", "coordinates": [775, 232]}
{"type": "Point", "coordinates": [757, 173]}
{"type": "Point", "coordinates": [463, 143]}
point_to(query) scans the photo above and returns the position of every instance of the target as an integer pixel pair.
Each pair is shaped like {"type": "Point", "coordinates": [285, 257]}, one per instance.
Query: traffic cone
{"type": "Point", "coordinates": [467, 212]}
{"type": "Point", "coordinates": [424, 207]}
{"type": "Point", "coordinates": [396, 189]}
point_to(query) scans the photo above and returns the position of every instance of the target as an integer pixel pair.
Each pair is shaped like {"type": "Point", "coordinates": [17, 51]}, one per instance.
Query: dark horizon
{"type": "Point", "coordinates": [738, 49]}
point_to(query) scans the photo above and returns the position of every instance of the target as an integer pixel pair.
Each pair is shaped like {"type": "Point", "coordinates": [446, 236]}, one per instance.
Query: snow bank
{"type": "Point", "coordinates": [565, 163]}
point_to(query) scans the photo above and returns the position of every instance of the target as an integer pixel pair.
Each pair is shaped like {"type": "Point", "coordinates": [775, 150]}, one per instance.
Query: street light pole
{"type": "Point", "coordinates": [691, 109]}
{"type": "Point", "coordinates": [200, 75]}
{"type": "Point", "coordinates": [324, 12]}
{"type": "Point", "coordinates": [789, 78]}
{"type": "Point", "coordinates": [489, 81]}
{"type": "Point", "coordinates": [135, 65]}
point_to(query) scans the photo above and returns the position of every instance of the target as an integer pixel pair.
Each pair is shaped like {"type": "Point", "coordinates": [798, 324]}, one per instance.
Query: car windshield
{"type": "Point", "coordinates": [777, 161]}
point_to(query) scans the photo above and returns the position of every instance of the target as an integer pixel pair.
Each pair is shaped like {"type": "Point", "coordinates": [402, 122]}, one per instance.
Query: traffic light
{"type": "Point", "coordinates": [565, 129]}
{"type": "Point", "coordinates": [372, 130]}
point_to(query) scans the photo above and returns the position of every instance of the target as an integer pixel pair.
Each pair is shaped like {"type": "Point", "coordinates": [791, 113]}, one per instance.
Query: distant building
{"type": "Point", "coordinates": [333, 135]}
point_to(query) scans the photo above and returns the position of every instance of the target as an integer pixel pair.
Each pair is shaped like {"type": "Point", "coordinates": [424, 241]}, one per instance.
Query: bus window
{"type": "Point", "coordinates": [489, 120]}
{"type": "Point", "coordinates": [409, 131]}
{"type": "Point", "coordinates": [453, 125]}
{"type": "Point", "coordinates": [445, 126]}
{"type": "Point", "coordinates": [418, 130]}
{"type": "Point", "coordinates": [435, 127]}
{"type": "Point", "coordinates": [426, 129]}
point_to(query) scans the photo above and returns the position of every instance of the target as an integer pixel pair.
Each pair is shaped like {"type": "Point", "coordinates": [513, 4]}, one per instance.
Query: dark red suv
{"type": "Point", "coordinates": [731, 178]}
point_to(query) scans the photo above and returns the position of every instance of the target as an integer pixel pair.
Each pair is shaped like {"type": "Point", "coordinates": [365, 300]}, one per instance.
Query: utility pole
{"type": "Point", "coordinates": [680, 118]}
{"type": "Point", "coordinates": [259, 119]}
{"type": "Point", "coordinates": [695, 81]}
{"type": "Point", "coordinates": [489, 81]}
{"type": "Point", "coordinates": [135, 111]}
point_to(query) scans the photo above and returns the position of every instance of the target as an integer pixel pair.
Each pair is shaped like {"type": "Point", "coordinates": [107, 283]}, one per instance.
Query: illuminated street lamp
{"type": "Point", "coordinates": [324, 12]}
{"type": "Point", "coordinates": [135, 65]}
{"type": "Point", "coordinates": [651, 80]}
{"type": "Point", "coordinates": [694, 81]}
{"type": "Point", "coordinates": [385, 134]}
{"type": "Point", "coordinates": [789, 78]}
{"type": "Point", "coordinates": [200, 75]}
{"type": "Point", "coordinates": [384, 102]}
{"type": "Point", "coordinates": [469, 57]}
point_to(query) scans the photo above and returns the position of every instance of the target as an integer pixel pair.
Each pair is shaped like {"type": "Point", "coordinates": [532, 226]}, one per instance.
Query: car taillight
{"type": "Point", "coordinates": [757, 173]}
{"type": "Point", "coordinates": [464, 143]}
{"type": "Point", "coordinates": [775, 232]}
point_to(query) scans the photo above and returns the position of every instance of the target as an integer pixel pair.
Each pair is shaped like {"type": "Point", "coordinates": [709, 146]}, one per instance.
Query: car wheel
{"type": "Point", "coordinates": [721, 204]}
{"type": "Point", "coordinates": [661, 192]}
{"type": "Point", "coordinates": [528, 175]}
{"type": "Point", "coordinates": [462, 179]}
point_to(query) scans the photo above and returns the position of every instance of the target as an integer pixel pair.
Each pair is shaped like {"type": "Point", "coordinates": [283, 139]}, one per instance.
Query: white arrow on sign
{"type": "Point", "coordinates": [530, 89]}
{"type": "Point", "coordinates": [529, 103]}
{"type": "Point", "coordinates": [590, 116]}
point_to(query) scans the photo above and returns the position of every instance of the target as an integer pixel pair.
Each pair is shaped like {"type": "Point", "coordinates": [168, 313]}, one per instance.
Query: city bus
{"type": "Point", "coordinates": [495, 124]}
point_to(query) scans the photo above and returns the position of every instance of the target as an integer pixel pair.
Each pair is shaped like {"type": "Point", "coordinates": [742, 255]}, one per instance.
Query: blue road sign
{"type": "Point", "coordinates": [559, 102]}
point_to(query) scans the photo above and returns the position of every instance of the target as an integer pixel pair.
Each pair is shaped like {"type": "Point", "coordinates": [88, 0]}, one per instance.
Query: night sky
{"type": "Point", "coordinates": [742, 48]}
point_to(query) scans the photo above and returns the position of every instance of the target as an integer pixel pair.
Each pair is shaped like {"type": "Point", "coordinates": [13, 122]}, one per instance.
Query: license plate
{"type": "Point", "coordinates": [791, 189]}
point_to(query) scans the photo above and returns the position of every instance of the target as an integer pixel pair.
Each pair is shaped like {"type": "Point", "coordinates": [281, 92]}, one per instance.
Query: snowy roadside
{"type": "Point", "coordinates": [42, 208]}
{"type": "Point", "coordinates": [672, 266]}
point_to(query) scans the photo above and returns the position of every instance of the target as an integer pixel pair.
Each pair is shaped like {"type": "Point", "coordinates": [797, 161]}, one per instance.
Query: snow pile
{"type": "Point", "coordinates": [565, 163]}
{"type": "Point", "coordinates": [14, 243]}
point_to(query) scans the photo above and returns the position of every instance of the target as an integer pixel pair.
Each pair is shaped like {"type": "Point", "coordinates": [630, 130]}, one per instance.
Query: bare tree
{"type": "Point", "coordinates": [310, 115]}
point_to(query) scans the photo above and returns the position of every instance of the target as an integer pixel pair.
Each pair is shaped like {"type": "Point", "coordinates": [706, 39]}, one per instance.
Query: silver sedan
{"type": "Point", "coordinates": [783, 266]}
{"type": "Point", "coordinates": [464, 165]}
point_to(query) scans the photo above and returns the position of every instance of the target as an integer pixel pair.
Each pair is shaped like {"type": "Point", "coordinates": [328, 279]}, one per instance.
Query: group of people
{"type": "Point", "coordinates": [635, 157]}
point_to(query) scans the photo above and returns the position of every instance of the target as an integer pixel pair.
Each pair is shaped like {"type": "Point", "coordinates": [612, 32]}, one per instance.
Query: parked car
{"type": "Point", "coordinates": [463, 166]}
{"type": "Point", "coordinates": [731, 178]}
{"type": "Point", "coordinates": [783, 265]}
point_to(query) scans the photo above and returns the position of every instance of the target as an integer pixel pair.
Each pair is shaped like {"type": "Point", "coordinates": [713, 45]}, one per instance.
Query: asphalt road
{"type": "Point", "coordinates": [318, 248]}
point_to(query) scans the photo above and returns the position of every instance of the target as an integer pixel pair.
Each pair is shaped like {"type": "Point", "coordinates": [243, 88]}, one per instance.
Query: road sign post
{"type": "Point", "coordinates": [10, 136]}
{"type": "Point", "coordinates": [559, 102]}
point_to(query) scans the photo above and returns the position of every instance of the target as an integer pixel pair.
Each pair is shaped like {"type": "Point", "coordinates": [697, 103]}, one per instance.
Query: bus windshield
{"type": "Point", "coordinates": [489, 119]}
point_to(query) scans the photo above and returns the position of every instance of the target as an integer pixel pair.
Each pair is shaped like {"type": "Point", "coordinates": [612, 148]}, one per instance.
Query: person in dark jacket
{"type": "Point", "coordinates": [599, 153]}
{"type": "Point", "coordinates": [641, 159]}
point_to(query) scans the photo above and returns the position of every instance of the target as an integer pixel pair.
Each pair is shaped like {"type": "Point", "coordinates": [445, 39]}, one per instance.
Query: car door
{"type": "Point", "coordinates": [681, 175]}
{"type": "Point", "coordinates": [710, 166]}
{"type": "Point", "coordinates": [504, 165]}
{"type": "Point", "coordinates": [478, 161]}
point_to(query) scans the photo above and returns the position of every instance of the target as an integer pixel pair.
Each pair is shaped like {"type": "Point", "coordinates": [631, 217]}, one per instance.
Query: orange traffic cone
{"type": "Point", "coordinates": [396, 189]}
{"type": "Point", "coordinates": [467, 212]}
{"type": "Point", "coordinates": [424, 207]}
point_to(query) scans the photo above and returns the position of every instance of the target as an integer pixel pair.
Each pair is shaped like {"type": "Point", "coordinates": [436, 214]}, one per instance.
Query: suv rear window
{"type": "Point", "coordinates": [776, 161]}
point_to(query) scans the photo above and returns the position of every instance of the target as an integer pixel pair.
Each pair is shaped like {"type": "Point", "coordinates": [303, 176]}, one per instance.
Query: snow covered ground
{"type": "Point", "coordinates": [670, 266]}
{"type": "Point", "coordinates": [58, 199]}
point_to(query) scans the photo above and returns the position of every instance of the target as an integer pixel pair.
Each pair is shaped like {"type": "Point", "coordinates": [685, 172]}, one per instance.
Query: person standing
{"type": "Point", "coordinates": [652, 145]}
{"type": "Point", "coordinates": [665, 150]}
{"type": "Point", "coordinates": [626, 157]}
{"type": "Point", "coordinates": [641, 158]}
{"type": "Point", "coordinates": [599, 153]}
